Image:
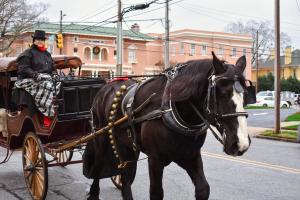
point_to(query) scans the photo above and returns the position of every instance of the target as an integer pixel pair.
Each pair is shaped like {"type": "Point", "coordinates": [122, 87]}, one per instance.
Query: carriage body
{"type": "Point", "coordinates": [73, 106]}
{"type": "Point", "coordinates": [36, 136]}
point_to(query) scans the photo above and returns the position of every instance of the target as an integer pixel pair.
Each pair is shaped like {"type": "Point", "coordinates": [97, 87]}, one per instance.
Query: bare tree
{"type": "Point", "coordinates": [17, 16]}
{"type": "Point", "coordinates": [265, 35]}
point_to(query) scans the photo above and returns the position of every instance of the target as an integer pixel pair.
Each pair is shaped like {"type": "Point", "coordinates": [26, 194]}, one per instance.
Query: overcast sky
{"type": "Point", "coordinates": [210, 15]}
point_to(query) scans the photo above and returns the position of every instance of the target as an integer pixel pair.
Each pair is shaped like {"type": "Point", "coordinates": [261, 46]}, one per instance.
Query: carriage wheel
{"type": "Point", "coordinates": [117, 179]}
{"type": "Point", "coordinates": [64, 157]}
{"type": "Point", "coordinates": [35, 167]}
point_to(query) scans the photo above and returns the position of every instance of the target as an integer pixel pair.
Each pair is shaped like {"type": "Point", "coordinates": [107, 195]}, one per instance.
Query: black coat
{"type": "Point", "coordinates": [33, 61]}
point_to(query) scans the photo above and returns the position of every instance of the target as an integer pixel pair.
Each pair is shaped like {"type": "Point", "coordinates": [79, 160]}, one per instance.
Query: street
{"type": "Point", "coordinates": [269, 170]}
{"type": "Point", "coordinates": [265, 117]}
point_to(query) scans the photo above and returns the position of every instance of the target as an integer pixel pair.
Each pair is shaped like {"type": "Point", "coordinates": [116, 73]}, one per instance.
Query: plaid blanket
{"type": "Point", "coordinates": [42, 92]}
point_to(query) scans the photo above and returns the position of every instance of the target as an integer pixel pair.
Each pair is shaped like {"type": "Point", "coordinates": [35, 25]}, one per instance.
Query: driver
{"type": "Point", "coordinates": [35, 72]}
{"type": "Point", "coordinates": [36, 60]}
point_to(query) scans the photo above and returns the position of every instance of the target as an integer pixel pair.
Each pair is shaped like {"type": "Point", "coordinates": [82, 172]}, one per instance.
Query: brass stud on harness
{"type": "Point", "coordinates": [118, 94]}
{"type": "Point", "coordinates": [112, 142]}
{"type": "Point", "coordinates": [116, 100]}
{"type": "Point", "coordinates": [113, 146]}
{"type": "Point", "coordinates": [110, 124]}
{"type": "Point", "coordinates": [123, 88]}
{"type": "Point", "coordinates": [112, 112]}
{"type": "Point", "coordinates": [114, 106]}
{"type": "Point", "coordinates": [110, 136]}
{"type": "Point", "coordinates": [115, 152]}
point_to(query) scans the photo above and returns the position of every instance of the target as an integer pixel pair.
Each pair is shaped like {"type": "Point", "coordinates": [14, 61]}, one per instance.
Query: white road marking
{"type": "Point", "coordinates": [256, 114]}
{"type": "Point", "coordinates": [252, 162]}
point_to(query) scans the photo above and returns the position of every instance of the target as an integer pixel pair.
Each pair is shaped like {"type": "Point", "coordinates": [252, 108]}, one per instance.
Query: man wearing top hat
{"type": "Point", "coordinates": [36, 59]}
{"type": "Point", "coordinates": [35, 76]}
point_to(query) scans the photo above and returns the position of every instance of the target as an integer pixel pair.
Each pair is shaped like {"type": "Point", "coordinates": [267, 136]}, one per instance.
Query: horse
{"type": "Point", "coordinates": [178, 108]}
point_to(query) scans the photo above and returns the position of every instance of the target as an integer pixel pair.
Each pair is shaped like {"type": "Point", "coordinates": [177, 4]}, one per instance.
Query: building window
{"type": "Point", "coordinates": [244, 52]}
{"type": "Point", "coordinates": [233, 52]}
{"type": "Point", "coordinates": [115, 54]}
{"type": "Point", "coordinates": [76, 39]}
{"type": "Point", "coordinates": [87, 53]}
{"type": "Point", "coordinates": [173, 50]}
{"type": "Point", "coordinates": [104, 54]}
{"type": "Point", "coordinates": [132, 54]}
{"type": "Point", "coordinates": [204, 50]}
{"type": "Point", "coordinates": [181, 48]}
{"type": "Point", "coordinates": [221, 51]}
{"type": "Point", "coordinates": [192, 50]}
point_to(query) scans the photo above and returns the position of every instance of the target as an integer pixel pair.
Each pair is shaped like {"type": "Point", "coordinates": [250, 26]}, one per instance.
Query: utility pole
{"type": "Point", "coordinates": [167, 36]}
{"type": "Point", "coordinates": [256, 61]}
{"type": "Point", "coordinates": [60, 28]}
{"type": "Point", "coordinates": [119, 40]}
{"type": "Point", "coordinates": [277, 66]}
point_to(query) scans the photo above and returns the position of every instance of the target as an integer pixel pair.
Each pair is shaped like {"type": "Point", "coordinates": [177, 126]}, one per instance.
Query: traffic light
{"type": "Point", "coordinates": [59, 40]}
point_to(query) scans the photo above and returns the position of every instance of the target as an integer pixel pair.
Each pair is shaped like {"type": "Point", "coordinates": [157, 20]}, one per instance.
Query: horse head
{"type": "Point", "coordinates": [227, 92]}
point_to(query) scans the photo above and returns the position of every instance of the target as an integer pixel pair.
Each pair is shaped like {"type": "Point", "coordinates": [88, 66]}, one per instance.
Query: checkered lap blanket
{"type": "Point", "coordinates": [42, 92]}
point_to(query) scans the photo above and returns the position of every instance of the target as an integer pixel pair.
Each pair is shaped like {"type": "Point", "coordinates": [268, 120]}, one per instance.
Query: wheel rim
{"type": "Point", "coordinates": [35, 167]}
{"type": "Point", "coordinates": [117, 181]}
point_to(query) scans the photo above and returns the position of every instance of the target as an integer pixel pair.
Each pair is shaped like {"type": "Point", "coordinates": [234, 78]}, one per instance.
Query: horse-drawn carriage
{"type": "Point", "coordinates": [25, 128]}
{"type": "Point", "coordinates": [166, 117]}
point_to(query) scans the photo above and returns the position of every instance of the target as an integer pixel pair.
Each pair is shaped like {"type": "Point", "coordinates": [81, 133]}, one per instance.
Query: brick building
{"type": "Point", "coordinates": [142, 53]}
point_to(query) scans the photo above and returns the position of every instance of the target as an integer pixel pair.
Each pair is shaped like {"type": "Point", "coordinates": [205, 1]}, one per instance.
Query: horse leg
{"type": "Point", "coordinates": [126, 183]}
{"type": "Point", "coordinates": [156, 169]}
{"type": "Point", "coordinates": [194, 168]}
{"type": "Point", "coordinates": [94, 190]}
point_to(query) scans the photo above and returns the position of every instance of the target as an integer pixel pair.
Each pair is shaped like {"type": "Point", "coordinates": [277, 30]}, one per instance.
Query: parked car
{"type": "Point", "coordinates": [270, 102]}
{"type": "Point", "coordinates": [287, 96]}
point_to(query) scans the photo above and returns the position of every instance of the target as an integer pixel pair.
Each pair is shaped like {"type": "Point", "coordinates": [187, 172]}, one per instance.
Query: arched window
{"type": "Point", "coordinates": [104, 54]}
{"type": "Point", "coordinates": [87, 53]}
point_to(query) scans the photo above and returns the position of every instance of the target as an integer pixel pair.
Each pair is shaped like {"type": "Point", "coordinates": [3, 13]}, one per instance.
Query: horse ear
{"type": "Point", "coordinates": [241, 64]}
{"type": "Point", "coordinates": [217, 64]}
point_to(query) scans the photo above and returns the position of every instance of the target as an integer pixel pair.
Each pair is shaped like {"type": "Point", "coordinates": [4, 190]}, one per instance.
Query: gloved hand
{"type": "Point", "coordinates": [56, 77]}
{"type": "Point", "coordinates": [41, 77]}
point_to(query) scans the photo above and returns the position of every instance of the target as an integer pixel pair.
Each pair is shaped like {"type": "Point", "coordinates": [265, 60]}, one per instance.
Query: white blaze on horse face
{"type": "Point", "coordinates": [242, 132]}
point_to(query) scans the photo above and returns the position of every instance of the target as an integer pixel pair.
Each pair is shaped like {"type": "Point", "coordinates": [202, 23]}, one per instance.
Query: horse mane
{"type": "Point", "coordinates": [191, 80]}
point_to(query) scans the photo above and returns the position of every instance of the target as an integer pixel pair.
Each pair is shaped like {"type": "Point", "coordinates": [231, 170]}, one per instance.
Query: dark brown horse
{"type": "Point", "coordinates": [184, 101]}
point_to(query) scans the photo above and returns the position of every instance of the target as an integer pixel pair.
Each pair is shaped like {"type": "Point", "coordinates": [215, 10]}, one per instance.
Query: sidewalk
{"type": "Point", "coordinates": [254, 131]}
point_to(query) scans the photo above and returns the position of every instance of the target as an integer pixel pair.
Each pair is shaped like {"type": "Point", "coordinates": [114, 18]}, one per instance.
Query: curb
{"type": "Point", "coordinates": [277, 139]}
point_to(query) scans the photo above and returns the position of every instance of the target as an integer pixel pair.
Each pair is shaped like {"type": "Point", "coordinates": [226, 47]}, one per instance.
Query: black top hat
{"type": "Point", "coordinates": [39, 34]}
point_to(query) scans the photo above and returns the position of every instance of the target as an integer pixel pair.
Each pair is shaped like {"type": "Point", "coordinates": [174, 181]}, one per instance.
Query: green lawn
{"type": "Point", "coordinates": [293, 117]}
{"type": "Point", "coordinates": [293, 127]}
{"type": "Point", "coordinates": [283, 134]}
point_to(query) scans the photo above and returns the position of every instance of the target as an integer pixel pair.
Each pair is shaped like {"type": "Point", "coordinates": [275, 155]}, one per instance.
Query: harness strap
{"type": "Point", "coordinates": [206, 122]}
{"type": "Point", "coordinates": [155, 114]}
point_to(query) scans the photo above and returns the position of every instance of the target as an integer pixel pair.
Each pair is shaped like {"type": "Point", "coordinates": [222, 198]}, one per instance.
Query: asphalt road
{"type": "Point", "coordinates": [270, 170]}
{"type": "Point", "coordinates": [266, 117]}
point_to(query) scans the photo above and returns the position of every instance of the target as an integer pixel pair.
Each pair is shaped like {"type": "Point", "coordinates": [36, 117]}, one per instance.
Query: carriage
{"type": "Point", "coordinates": [166, 117]}
{"type": "Point", "coordinates": [35, 135]}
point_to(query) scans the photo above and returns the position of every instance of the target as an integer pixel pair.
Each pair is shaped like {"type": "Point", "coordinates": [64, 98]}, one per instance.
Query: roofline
{"type": "Point", "coordinates": [86, 34]}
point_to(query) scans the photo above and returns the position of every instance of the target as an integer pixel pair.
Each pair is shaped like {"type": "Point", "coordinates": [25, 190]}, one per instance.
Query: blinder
{"type": "Point", "coordinates": [250, 94]}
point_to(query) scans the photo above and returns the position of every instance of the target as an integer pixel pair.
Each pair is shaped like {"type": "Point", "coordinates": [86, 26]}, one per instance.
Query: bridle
{"type": "Point", "coordinates": [211, 106]}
